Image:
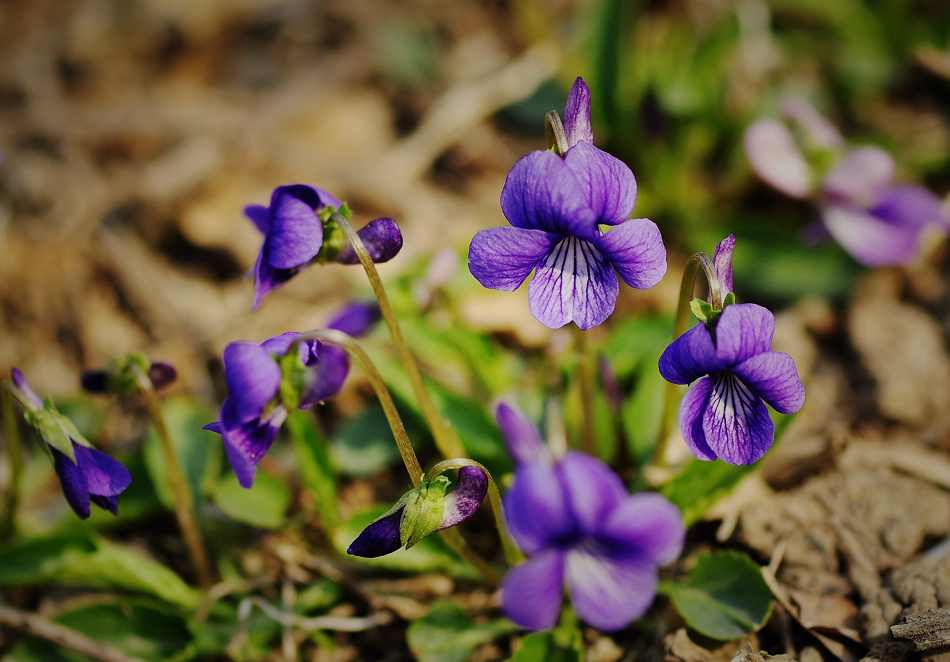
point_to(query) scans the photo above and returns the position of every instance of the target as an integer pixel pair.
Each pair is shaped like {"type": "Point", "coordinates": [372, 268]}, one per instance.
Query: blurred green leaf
{"type": "Point", "coordinates": [725, 598]}
{"type": "Point", "coordinates": [431, 554]}
{"type": "Point", "coordinates": [448, 634]}
{"type": "Point", "coordinates": [199, 451]}
{"type": "Point", "coordinates": [87, 560]}
{"type": "Point", "coordinates": [701, 484]}
{"type": "Point", "coordinates": [136, 628]}
{"type": "Point", "coordinates": [264, 505]}
{"type": "Point", "coordinates": [641, 414]}
{"type": "Point", "coordinates": [315, 464]}
{"type": "Point", "coordinates": [558, 645]}
{"type": "Point", "coordinates": [364, 444]}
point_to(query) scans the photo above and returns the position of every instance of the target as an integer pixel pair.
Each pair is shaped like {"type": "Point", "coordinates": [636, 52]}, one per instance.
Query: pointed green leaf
{"type": "Point", "coordinates": [316, 466]}
{"type": "Point", "coordinates": [448, 634]}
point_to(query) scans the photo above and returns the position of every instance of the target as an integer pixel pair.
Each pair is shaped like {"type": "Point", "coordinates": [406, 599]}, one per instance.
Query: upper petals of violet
{"type": "Point", "coordinates": [608, 181]}
{"type": "Point", "coordinates": [722, 261]}
{"type": "Point", "coordinates": [860, 176]}
{"type": "Point", "coordinates": [776, 159]}
{"type": "Point", "coordinates": [296, 233]}
{"type": "Point", "coordinates": [521, 434]}
{"type": "Point", "coordinates": [465, 498]}
{"type": "Point", "coordinates": [577, 114]}
{"type": "Point", "coordinates": [382, 238]}
{"type": "Point", "coordinates": [253, 378]}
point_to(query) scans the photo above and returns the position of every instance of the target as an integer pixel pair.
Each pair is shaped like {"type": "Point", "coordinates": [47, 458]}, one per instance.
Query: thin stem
{"type": "Point", "coordinates": [585, 374]}
{"type": "Point", "coordinates": [181, 491]}
{"type": "Point", "coordinates": [38, 626]}
{"type": "Point", "coordinates": [11, 432]}
{"type": "Point", "coordinates": [445, 439]}
{"type": "Point", "coordinates": [408, 453]}
{"type": "Point", "coordinates": [512, 553]}
{"type": "Point", "coordinates": [681, 326]}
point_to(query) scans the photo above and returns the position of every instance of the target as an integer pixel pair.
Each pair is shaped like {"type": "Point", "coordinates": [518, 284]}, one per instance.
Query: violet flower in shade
{"type": "Point", "coordinates": [87, 475]}
{"type": "Point", "coordinates": [556, 207]}
{"type": "Point", "coordinates": [293, 230]}
{"type": "Point", "coordinates": [878, 222]}
{"type": "Point", "coordinates": [265, 383]}
{"type": "Point", "coordinates": [119, 377]}
{"type": "Point", "coordinates": [723, 414]}
{"type": "Point", "coordinates": [581, 529]}
{"type": "Point", "coordinates": [423, 511]}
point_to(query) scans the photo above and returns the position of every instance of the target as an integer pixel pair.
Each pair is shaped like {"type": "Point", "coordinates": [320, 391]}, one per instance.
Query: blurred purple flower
{"type": "Point", "coordinates": [86, 474]}
{"type": "Point", "coordinates": [723, 414]}
{"type": "Point", "coordinates": [580, 527]}
{"type": "Point", "coordinates": [422, 511]}
{"type": "Point", "coordinates": [557, 207]}
{"type": "Point", "coordinates": [293, 236]}
{"type": "Point", "coordinates": [118, 376]}
{"type": "Point", "coordinates": [263, 387]}
{"type": "Point", "coordinates": [877, 222]}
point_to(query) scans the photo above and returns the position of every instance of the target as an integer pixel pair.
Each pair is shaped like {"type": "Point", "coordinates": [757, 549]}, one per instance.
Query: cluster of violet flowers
{"type": "Point", "coordinates": [878, 222]}
{"type": "Point", "coordinates": [568, 521]}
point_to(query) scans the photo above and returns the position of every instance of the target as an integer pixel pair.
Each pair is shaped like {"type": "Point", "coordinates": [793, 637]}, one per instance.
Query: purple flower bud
{"type": "Point", "coordinates": [382, 238]}
{"type": "Point", "coordinates": [581, 528]}
{"type": "Point", "coordinates": [86, 474]}
{"type": "Point", "coordinates": [556, 207]}
{"type": "Point", "coordinates": [357, 318]}
{"type": "Point", "coordinates": [400, 526]}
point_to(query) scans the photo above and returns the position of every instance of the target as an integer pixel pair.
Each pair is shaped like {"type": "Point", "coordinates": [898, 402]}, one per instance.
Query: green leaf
{"type": "Point", "coordinates": [316, 466]}
{"type": "Point", "coordinates": [84, 560]}
{"type": "Point", "coordinates": [364, 444]}
{"type": "Point", "coordinates": [137, 628]}
{"type": "Point", "coordinates": [447, 634]}
{"type": "Point", "coordinates": [262, 505]}
{"type": "Point", "coordinates": [198, 451]}
{"type": "Point", "coordinates": [560, 645]}
{"type": "Point", "coordinates": [701, 484]}
{"type": "Point", "coordinates": [725, 598]}
{"type": "Point", "coordinates": [641, 414]}
{"type": "Point", "coordinates": [429, 555]}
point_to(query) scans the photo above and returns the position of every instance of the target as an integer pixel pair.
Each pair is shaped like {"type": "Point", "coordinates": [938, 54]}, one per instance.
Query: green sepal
{"type": "Point", "coordinates": [334, 239]}
{"type": "Point", "coordinates": [49, 425]}
{"type": "Point", "coordinates": [729, 299]}
{"type": "Point", "coordinates": [702, 309]}
{"type": "Point", "coordinates": [122, 379]}
{"type": "Point", "coordinates": [425, 511]}
{"type": "Point", "coordinates": [293, 378]}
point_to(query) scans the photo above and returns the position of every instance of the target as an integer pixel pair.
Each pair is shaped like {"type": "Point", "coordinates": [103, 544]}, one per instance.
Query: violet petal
{"type": "Point", "coordinates": [465, 498]}
{"type": "Point", "coordinates": [609, 592]}
{"type": "Point", "coordinates": [536, 507]}
{"type": "Point", "coordinates": [73, 481]}
{"type": "Point", "coordinates": [532, 592]}
{"type": "Point", "coordinates": [20, 382]}
{"type": "Point", "coordinates": [648, 526]}
{"type": "Point", "coordinates": [609, 182]}
{"type": "Point", "coordinates": [543, 193]}
{"type": "Point", "coordinates": [253, 378]}
{"type": "Point", "coordinates": [379, 538]}
{"type": "Point", "coordinates": [524, 440]}
{"type": "Point", "coordinates": [105, 476]}
{"type": "Point", "coordinates": [690, 356]}
{"type": "Point", "coordinates": [743, 330]}
{"type": "Point", "coordinates": [692, 408]}
{"type": "Point", "coordinates": [382, 238]}
{"type": "Point", "coordinates": [773, 377]}
{"type": "Point", "coordinates": [635, 249]}
{"type": "Point", "coordinates": [722, 260]}
{"type": "Point", "coordinates": [296, 233]}
{"type": "Point", "coordinates": [871, 240]}
{"type": "Point", "coordinates": [736, 422]}
{"type": "Point", "coordinates": [501, 258]}
{"type": "Point", "coordinates": [577, 114]}
{"type": "Point", "coordinates": [574, 283]}
{"type": "Point", "coordinates": [860, 176]}
{"type": "Point", "coordinates": [356, 319]}
{"type": "Point", "coordinates": [776, 159]}
{"type": "Point", "coordinates": [592, 489]}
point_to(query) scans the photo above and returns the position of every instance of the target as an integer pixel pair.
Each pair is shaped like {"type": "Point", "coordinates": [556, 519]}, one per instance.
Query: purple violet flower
{"type": "Point", "coordinates": [87, 475]}
{"type": "Point", "coordinates": [264, 386]}
{"type": "Point", "coordinates": [877, 222]}
{"type": "Point", "coordinates": [119, 377]}
{"type": "Point", "coordinates": [557, 205]}
{"type": "Point", "coordinates": [422, 511]}
{"type": "Point", "coordinates": [294, 235]}
{"type": "Point", "coordinates": [723, 414]}
{"type": "Point", "coordinates": [580, 527]}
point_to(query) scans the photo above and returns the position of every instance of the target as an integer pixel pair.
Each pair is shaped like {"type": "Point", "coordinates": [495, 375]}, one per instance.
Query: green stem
{"type": "Point", "coordinates": [512, 553]}
{"type": "Point", "coordinates": [452, 537]}
{"type": "Point", "coordinates": [181, 491]}
{"type": "Point", "coordinates": [681, 326]}
{"type": "Point", "coordinates": [11, 432]}
{"type": "Point", "coordinates": [445, 439]}
{"type": "Point", "coordinates": [408, 453]}
{"type": "Point", "coordinates": [585, 374]}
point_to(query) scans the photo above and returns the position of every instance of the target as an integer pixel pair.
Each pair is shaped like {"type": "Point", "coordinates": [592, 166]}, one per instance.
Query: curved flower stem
{"type": "Point", "coordinates": [11, 433]}
{"type": "Point", "coordinates": [585, 373]}
{"type": "Point", "coordinates": [181, 491]}
{"type": "Point", "coordinates": [346, 341]}
{"type": "Point", "coordinates": [512, 553]}
{"type": "Point", "coordinates": [445, 438]}
{"type": "Point", "coordinates": [451, 536]}
{"type": "Point", "coordinates": [681, 326]}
